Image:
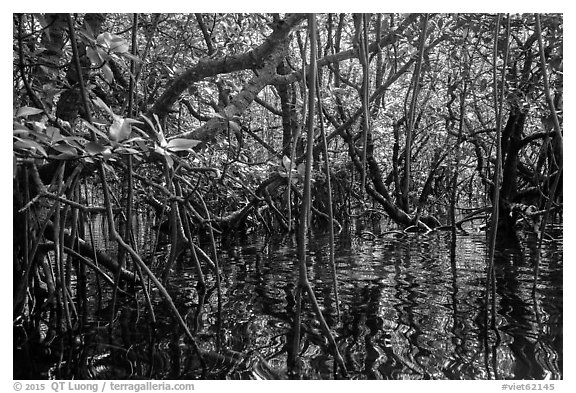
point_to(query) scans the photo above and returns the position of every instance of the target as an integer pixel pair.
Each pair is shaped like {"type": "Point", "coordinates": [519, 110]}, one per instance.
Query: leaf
{"type": "Point", "coordinates": [131, 57]}
{"type": "Point", "coordinates": [234, 126]}
{"type": "Point", "coordinates": [118, 45]}
{"type": "Point", "coordinates": [65, 148]}
{"type": "Point", "coordinates": [40, 18]}
{"type": "Point", "coordinates": [94, 148]}
{"type": "Point", "coordinates": [169, 161]}
{"type": "Point", "coordinates": [182, 144]}
{"type": "Point", "coordinates": [135, 139]}
{"type": "Point", "coordinates": [107, 72]}
{"type": "Point", "coordinates": [26, 111]}
{"type": "Point", "coordinates": [286, 163]}
{"type": "Point", "coordinates": [54, 134]}
{"type": "Point", "coordinates": [302, 169]}
{"type": "Point", "coordinates": [102, 105]}
{"type": "Point", "coordinates": [143, 147]}
{"type": "Point", "coordinates": [22, 133]}
{"type": "Point", "coordinates": [120, 129]}
{"type": "Point", "coordinates": [149, 122]}
{"type": "Point", "coordinates": [94, 56]}
{"type": "Point", "coordinates": [17, 126]}
{"type": "Point", "coordinates": [27, 144]}
{"type": "Point", "coordinates": [127, 150]}
{"type": "Point", "coordinates": [97, 131]}
{"type": "Point", "coordinates": [145, 136]}
{"type": "Point", "coordinates": [159, 132]}
{"type": "Point", "coordinates": [63, 156]}
{"type": "Point", "coordinates": [159, 150]}
{"type": "Point", "coordinates": [104, 39]}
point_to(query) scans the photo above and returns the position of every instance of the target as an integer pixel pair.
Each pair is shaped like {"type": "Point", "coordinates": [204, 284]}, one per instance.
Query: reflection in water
{"type": "Point", "coordinates": [411, 308]}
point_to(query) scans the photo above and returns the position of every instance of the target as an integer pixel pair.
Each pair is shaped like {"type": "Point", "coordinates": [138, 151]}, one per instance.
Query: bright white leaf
{"type": "Point", "coordinates": [120, 129]}
{"type": "Point", "coordinates": [182, 144]}
{"type": "Point", "coordinates": [28, 111]}
{"type": "Point", "coordinates": [286, 163]}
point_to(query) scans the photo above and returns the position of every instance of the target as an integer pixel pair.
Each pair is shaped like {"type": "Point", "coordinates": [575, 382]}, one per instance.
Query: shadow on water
{"type": "Point", "coordinates": [412, 307]}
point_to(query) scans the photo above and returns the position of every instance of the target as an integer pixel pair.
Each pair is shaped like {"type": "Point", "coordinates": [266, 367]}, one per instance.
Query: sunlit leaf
{"type": "Point", "coordinates": [107, 154]}
{"type": "Point", "coordinates": [26, 111]}
{"type": "Point", "coordinates": [159, 150]}
{"type": "Point", "coordinates": [286, 163]}
{"type": "Point", "coordinates": [159, 132]}
{"type": "Point", "coordinates": [169, 161]}
{"type": "Point", "coordinates": [120, 129]}
{"type": "Point", "coordinates": [181, 144]}
{"type": "Point", "coordinates": [135, 139]}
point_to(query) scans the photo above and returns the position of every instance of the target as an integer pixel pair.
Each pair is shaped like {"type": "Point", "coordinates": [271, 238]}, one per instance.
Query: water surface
{"type": "Point", "coordinates": [411, 307]}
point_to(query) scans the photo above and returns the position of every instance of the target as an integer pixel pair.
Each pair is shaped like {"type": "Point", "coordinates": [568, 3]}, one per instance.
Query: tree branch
{"type": "Point", "coordinates": [210, 67]}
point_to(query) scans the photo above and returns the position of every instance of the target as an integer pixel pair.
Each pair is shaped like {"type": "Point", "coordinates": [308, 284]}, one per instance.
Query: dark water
{"type": "Point", "coordinates": [410, 308]}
